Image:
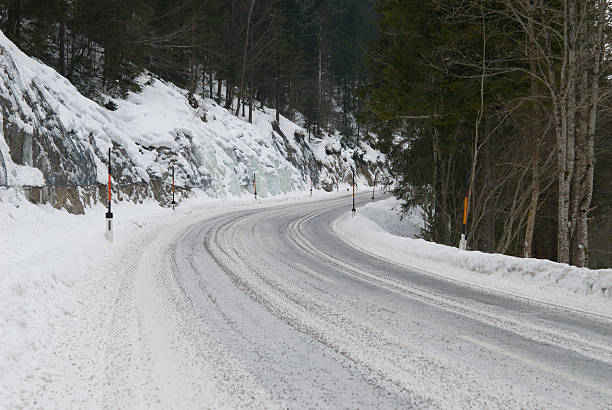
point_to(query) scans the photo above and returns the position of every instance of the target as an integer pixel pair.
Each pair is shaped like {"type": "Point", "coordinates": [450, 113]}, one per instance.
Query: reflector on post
{"type": "Point", "coordinates": [255, 185]}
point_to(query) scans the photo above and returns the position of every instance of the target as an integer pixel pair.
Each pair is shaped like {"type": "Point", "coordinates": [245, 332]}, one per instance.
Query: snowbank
{"type": "Point", "coordinates": [541, 280]}
{"type": "Point", "coordinates": [48, 255]}
{"type": "Point", "coordinates": [387, 214]}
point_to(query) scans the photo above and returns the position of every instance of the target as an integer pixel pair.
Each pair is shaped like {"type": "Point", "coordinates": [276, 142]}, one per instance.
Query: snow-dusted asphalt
{"type": "Point", "coordinates": [267, 308]}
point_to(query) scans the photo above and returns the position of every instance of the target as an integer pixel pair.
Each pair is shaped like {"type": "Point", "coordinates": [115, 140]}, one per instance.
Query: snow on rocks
{"type": "Point", "coordinates": [52, 135]}
{"type": "Point", "coordinates": [542, 280]}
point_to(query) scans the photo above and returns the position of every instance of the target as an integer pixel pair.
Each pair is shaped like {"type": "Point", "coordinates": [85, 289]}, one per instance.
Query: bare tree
{"type": "Point", "coordinates": [567, 46]}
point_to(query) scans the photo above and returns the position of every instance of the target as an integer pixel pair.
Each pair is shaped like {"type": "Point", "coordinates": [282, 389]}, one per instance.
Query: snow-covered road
{"type": "Point", "coordinates": [268, 308]}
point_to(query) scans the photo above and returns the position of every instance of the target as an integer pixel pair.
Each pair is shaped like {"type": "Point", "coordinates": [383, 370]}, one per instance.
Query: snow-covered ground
{"type": "Point", "coordinates": [282, 321]}
{"type": "Point", "coordinates": [51, 261]}
{"type": "Point", "coordinates": [387, 214]}
{"type": "Point", "coordinates": [377, 229]}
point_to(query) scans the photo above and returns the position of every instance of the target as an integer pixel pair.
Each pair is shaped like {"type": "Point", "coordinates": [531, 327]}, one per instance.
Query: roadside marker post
{"type": "Point", "coordinates": [255, 185]}
{"type": "Point", "coordinates": [354, 210]}
{"type": "Point", "coordinates": [109, 214]}
{"type": "Point", "coordinates": [463, 240]}
{"type": "Point", "coordinates": [310, 187]}
{"type": "Point", "coordinates": [337, 184]}
{"type": "Point", "coordinates": [374, 189]}
{"type": "Point", "coordinates": [173, 201]}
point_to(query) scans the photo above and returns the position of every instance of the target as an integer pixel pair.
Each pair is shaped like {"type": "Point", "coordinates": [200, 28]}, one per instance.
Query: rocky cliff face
{"type": "Point", "coordinates": [56, 140]}
{"type": "Point", "coordinates": [34, 132]}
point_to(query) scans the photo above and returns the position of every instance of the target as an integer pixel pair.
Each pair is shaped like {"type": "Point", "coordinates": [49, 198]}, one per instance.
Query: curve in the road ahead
{"type": "Point", "coordinates": [299, 318]}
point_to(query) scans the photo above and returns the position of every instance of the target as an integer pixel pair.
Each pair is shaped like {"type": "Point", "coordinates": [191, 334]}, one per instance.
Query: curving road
{"type": "Point", "coordinates": [268, 308]}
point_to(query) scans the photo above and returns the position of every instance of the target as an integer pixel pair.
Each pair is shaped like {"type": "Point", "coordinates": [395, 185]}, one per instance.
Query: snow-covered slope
{"type": "Point", "coordinates": [537, 279]}
{"type": "Point", "coordinates": [55, 137]}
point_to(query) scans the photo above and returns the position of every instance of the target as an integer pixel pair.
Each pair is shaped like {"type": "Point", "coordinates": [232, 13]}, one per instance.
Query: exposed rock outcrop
{"type": "Point", "coordinates": [55, 142]}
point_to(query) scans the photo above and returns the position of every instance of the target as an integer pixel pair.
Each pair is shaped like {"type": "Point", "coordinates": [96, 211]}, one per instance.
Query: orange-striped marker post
{"type": "Point", "coordinates": [255, 185]}
{"type": "Point", "coordinates": [311, 187]}
{"type": "Point", "coordinates": [463, 241]}
{"type": "Point", "coordinates": [109, 214]}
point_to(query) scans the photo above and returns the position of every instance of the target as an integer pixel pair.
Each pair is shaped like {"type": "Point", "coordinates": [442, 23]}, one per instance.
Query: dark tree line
{"type": "Point", "coordinates": [507, 102]}
{"type": "Point", "coordinates": [298, 56]}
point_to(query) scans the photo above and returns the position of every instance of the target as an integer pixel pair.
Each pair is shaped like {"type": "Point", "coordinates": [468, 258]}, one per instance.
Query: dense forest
{"type": "Point", "coordinates": [505, 102]}
{"type": "Point", "coordinates": [303, 57]}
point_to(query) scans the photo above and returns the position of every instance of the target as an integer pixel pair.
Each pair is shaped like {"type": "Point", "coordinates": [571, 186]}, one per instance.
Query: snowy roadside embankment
{"type": "Point", "coordinates": [53, 136]}
{"type": "Point", "coordinates": [387, 215]}
{"type": "Point", "coordinates": [536, 279]}
{"type": "Point", "coordinates": [57, 273]}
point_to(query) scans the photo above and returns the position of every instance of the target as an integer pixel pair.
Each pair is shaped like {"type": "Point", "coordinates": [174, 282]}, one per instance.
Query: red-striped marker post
{"type": "Point", "coordinates": [354, 210]}
{"type": "Point", "coordinates": [109, 214]}
{"type": "Point", "coordinates": [173, 201]}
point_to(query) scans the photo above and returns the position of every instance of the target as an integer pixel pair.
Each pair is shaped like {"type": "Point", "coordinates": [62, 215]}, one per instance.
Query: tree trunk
{"type": "Point", "coordinates": [434, 185]}
{"type": "Point", "coordinates": [535, 152]}
{"type": "Point", "coordinates": [210, 85]}
{"type": "Point", "coordinates": [564, 107]}
{"type": "Point", "coordinates": [479, 117]}
{"type": "Point", "coordinates": [247, 35]}
{"type": "Point", "coordinates": [535, 195]}
{"type": "Point", "coordinates": [592, 97]}
{"type": "Point", "coordinates": [14, 21]}
{"type": "Point", "coordinates": [345, 104]}
{"type": "Point", "coordinates": [62, 49]}
{"type": "Point", "coordinates": [229, 98]}
{"type": "Point", "coordinates": [320, 83]}
{"type": "Point", "coordinates": [193, 74]}
{"type": "Point", "coordinates": [251, 77]}
{"type": "Point", "coordinates": [290, 100]}
{"type": "Point", "coordinates": [490, 214]}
